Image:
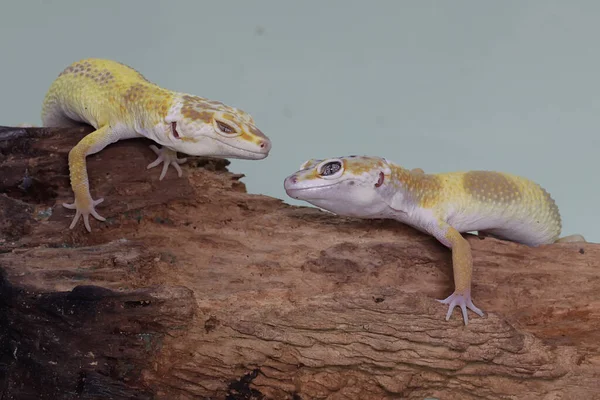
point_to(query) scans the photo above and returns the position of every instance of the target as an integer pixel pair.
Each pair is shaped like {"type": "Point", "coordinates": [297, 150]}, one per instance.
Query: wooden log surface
{"type": "Point", "coordinates": [193, 288]}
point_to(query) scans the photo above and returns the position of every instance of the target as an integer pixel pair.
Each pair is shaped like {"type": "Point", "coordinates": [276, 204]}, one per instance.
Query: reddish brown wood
{"type": "Point", "coordinates": [195, 289]}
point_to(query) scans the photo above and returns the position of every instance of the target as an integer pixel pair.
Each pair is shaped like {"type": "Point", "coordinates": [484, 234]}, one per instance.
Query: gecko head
{"type": "Point", "coordinates": [199, 127]}
{"type": "Point", "coordinates": [349, 186]}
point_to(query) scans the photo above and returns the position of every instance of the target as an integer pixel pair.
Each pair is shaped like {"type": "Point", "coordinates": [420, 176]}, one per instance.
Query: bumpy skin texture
{"type": "Point", "coordinates": [443, 205]}
{"type": "Point", "coordinates": [120, 103]}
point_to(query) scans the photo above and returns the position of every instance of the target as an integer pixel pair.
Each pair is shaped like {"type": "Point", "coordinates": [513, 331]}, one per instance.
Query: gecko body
{"type": "Point", "coordinates": [120, 103]}
{"type": "Point", "coordinates": [443, 205]}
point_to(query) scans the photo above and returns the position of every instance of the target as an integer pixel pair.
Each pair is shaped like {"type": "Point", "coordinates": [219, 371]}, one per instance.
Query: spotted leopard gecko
{"type": "Point", "coordinates": [120, 103]}
{"type": "Point", "coordinates": [442, 205]}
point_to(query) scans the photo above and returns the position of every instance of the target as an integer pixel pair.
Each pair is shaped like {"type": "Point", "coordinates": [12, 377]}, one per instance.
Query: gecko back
{"type": "Point", "coordinates": [86, 89]}
{"type": "Point", "coordinates": [500, 204]}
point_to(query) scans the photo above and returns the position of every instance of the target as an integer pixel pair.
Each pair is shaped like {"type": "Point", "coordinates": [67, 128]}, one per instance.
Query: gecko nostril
{"type": "Point", "coordinates": [265, 145]}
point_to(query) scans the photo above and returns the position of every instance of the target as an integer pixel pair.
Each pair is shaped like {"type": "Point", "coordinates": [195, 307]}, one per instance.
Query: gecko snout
{"type": "Point", "coordinates": [289, 184]}
{"type": "Point", "coordinates": [265, 145]}
{"type": "Point", "coordinates": [290, 180]}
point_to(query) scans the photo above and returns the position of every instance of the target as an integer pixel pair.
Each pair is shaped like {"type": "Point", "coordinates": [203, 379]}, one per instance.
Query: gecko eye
{"type": "Point", "coordinates": [226, 129]}
{"type": "Point", "coordinates": [330, 168]}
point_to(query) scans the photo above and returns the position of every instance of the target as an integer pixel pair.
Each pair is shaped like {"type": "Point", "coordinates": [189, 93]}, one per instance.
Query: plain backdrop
{"type": "Point", "coordinates": [508, 85]}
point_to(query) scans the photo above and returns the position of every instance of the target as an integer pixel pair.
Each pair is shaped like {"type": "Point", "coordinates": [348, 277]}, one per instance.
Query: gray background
{"type": "Point", "coordinates": [442, 85]}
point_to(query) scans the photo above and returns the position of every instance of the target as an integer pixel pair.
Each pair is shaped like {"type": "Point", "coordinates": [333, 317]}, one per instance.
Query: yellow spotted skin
{"type": "Point", "coordinates": [101, 92]}
{"type": "Point", "coordinates": [497, 195]}
{"type": "Point", "coordinates": [493, 203]}
{"type": "Point", "coordinates": [443, 205]}
{"type": "Point", "coordinates": [120, 103]}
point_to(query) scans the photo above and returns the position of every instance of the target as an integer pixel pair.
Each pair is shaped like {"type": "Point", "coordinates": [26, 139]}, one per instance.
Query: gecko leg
{"type": "Point", "coordinates": [167, 157]}
{"type": "Point", "coordinates": [84, 205]}
{"type": "Point", "coordinates": [462, 265]}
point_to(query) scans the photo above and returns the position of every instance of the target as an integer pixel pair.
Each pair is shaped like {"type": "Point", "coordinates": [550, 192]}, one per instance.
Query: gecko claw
{"type": "Point", "coordinates": [86, 211]}
{"type": "Point", "coordinates": [168, 157]}
{"type": "Point", "coordinates": [463, 301]}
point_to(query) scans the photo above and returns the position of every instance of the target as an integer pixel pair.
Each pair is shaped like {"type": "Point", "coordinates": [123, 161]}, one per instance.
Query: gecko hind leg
{"type": "Point", "coordinates": [167, 157]}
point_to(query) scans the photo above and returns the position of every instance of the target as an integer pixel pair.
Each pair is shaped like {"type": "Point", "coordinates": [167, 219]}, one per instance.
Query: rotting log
{"type": "Point", "coordinates": [193, 288]}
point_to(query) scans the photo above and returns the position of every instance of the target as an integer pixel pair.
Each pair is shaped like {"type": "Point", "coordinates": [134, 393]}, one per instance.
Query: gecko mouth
{"type": "Point", "coordinates": [258, 154]}
{"type": "Point", "coordinates": [300, 193]}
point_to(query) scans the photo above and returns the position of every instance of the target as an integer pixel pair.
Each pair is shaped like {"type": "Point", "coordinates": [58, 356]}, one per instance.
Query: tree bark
{"type": "Point", "coordinates": [194, 288]}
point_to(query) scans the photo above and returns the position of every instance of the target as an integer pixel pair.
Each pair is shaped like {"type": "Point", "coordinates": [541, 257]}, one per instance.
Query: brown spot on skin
{"type": "Point", "coordinates": [164, 109]}
{"type": "Point", "coordinates": [358, 165]}
{"type": "Point", "coordinates": [135, 93]}
{"type": "Point", "coordinates": [88, 71]}
{"type": "Point", "coordinates": [192, 113]}
{"type": "Point", "coordinates": [188, 99]}
{"type": "Point", "coordinates": [488, 186]}
{"type": "Point", "coordinates": [196, 109]}
{"type": "Point", "coordinates": [248, 138]}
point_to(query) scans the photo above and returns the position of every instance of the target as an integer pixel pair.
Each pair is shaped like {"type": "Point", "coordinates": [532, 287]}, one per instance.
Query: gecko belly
{"type": "Point", "coordinates": [530, 228]}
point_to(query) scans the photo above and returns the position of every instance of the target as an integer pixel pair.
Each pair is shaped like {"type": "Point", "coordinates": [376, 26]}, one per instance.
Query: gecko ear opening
{"type": "Point", "coordinates": [174, 130]}
{"type": "Point", "coordinates": [380, 180]}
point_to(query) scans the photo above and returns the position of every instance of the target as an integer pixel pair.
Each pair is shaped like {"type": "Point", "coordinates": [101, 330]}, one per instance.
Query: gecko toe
{"type": "Point", "coordinates": [167, 157]}
{"type": "Point", "coordinates": [97, 216]}
{"type": "Point", "coordinates": [463, 308]}
{"type": "Point", "coordinates": [177, 168]}
{"type": "Point", "coordinates": [164, 171]}
{"type": "Point", "coordinates": [463, 300]}
{"type": "Point", "coordinates": [154, 163]}
{"type": "Point", "coordinates": [475, 309]}
{"type": "Point", "coordinates": [86, 222]}
{"type": "Point", "coordinates": [75, 219]}
{"type": "Point", "coordinates": [84, 208]}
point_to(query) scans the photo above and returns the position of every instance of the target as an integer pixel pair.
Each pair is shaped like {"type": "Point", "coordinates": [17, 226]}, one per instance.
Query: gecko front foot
{"type": "Point", "coordinates": [168, 157]}
{"type": "Point", "coordinates": [463, 300]}
{"type": "Point", "coordinates": [84, 208]}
